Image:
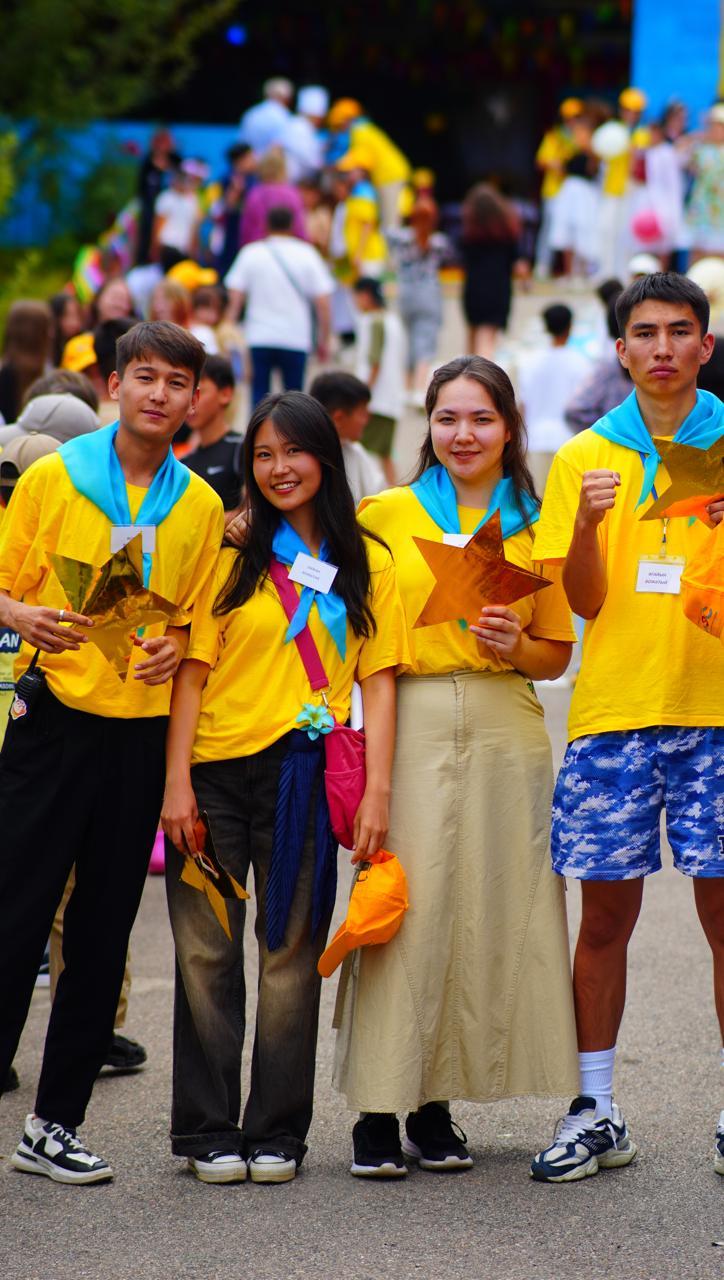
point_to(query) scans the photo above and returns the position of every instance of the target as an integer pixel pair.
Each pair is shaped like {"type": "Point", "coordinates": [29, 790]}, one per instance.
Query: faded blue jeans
{"type": "Point", "coordinates": [239, 797]}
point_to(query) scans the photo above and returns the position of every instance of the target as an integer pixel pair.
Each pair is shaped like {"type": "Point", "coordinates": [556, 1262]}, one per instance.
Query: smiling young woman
{"type": "Point", "coordinates": [472, 998]}
{"type": "Point", "coordinates": [236, 751]}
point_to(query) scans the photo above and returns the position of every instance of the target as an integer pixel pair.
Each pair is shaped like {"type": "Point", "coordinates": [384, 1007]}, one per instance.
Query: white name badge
{"type": "Point", "coordinates": [660, 575]}
{"type": "Point", "coordinates": [313, 573]}
{"type": "Point", "coordinates": [122, 533]}
{"type": "Point", "coordinates": [456, 539]}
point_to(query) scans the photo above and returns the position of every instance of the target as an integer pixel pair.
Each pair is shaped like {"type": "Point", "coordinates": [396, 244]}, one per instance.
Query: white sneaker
{"type": "Point", "coordinates": [58, 1153]}
{"type": "Point", "coordinates": [271, 1166]}
{"type": "Point", "coordinates": [219, 1166]}
{"type": "Point", "coordinates": [719, 1145]}
{"type": "Point", "coordinates": [582, 1144]}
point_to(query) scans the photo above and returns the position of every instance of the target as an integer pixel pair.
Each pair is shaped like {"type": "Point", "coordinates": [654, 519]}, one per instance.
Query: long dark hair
{"type": "Point", "coordinates": [500, 389]}
{"type": "Point", "coordinates": [487, 216]}
{"type": "Point", "coordinates": [302, 420]}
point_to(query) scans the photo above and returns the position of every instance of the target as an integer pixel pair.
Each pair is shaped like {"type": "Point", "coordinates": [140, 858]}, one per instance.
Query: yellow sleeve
{"type": "Point", "coordinates": [20, 565]}
{"type": "Point", "coordinates": [552, 619]}
{"type": "Point", "coordinates": [548, 152]}
{"type": "Point", "coordinates": [554, 530]}
{"type": "Point", "coordinates": [206, 628]}
{"type": "Point", "coordinates": [388, 646]}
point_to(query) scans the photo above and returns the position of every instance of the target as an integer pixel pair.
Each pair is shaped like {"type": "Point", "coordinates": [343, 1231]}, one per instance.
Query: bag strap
{"type": "Point", "coordinates": [285, 271]}
{"type": "Point", "coordinates": [304, 641]}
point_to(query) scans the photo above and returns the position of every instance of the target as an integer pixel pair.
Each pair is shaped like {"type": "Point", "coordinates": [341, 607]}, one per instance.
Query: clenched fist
{"type": "Point", "coordinates": [598, 495]}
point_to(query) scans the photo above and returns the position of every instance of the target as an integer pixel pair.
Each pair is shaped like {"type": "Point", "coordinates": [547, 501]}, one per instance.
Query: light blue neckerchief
{"type": "Point", "coordinates": [625, 425]}
{"type": "Point", "coordinates": [435, 491]}
{"type": "Point", "coordinates": [331, 607]}
{"type": "Point", "coordinates": [92, 464]}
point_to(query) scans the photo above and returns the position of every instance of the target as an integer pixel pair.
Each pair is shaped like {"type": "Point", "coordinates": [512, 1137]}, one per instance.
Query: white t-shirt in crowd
{"type": "Point", "coordinates": [279, 312]}
{"type": "Point", "coordinates": [388, 392]}
{"type": "Point", "coordinates": [364, 473]}
{"type": "Point", "coordinates": [546, 384]}
{"type": "Point", "coordinates": [181, 213]}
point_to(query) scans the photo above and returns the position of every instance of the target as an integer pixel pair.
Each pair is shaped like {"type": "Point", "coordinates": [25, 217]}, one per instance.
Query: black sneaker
{"type": "Point", "coordinates": [377, 1150]}
{"type": "Point", "coordinates": [123, 1056]}
{"type": "Point", "coordinates": [11, 1081]}
{"type": "Point", "coordinates": [57, 1153]}
{"type": "Point", "coordinates": [434, 1141]}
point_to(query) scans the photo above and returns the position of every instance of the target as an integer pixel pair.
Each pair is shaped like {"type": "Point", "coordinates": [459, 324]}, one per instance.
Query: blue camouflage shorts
{"type": "Point", "coordinates": [611, 791]}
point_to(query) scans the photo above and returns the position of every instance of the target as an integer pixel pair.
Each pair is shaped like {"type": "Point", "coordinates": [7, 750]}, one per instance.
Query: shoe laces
{"type": "Point", "coordinates": [442, 1126]}
{"type": "Point", "coordinates": [570, 1128]}
{"type": "Point", "coordinates": [68, 1137]}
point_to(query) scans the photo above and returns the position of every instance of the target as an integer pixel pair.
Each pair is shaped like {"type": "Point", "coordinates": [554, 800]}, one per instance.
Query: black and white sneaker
{"type": "Point", "coordinates": [377, 1150]}
{"type": "Point", "coordinates": [582, 1144]}
{"type": "Point", "coordinates": [719, 1145]}
{"type": "Point", "coordinates": [435, 1141]}
{"type": "Point", "coordinates": [57, 1153]}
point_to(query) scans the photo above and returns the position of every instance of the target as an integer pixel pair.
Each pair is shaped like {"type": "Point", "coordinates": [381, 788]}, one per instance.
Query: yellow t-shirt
{"type": "Point", "coordinates": [644, 664]}
{"type": "Point", "coordinates": [556, 148]}
{"type": "Point", "coordinates": [9, 645]}
{"type": "Point", "coordinates": [617, 171]}
{"type": "Point", "coordinates": [47, 514]}
{"type": "Point", "coordinates": [390, 165]}
{"type": "Point", "coordinates": [257, 684]}
{"type": "Point", "coordinates": [396, 515]}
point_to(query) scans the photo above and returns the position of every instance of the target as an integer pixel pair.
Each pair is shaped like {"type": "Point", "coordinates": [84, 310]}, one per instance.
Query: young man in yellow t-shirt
{"type": "Point", "coordinates": [646, 726]}
{"type": "Point", "coordinates": [82, 763]}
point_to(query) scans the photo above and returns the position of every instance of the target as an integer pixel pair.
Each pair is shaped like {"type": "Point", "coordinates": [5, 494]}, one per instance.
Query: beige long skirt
{"type": "Point", "coordinates": [472, 998]}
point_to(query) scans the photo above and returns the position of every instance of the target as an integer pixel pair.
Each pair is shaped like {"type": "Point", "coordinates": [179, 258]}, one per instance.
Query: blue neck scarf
{"type": "Point", "coordinates": [331, 608]}
{"type": "Point", "coordinates": [92, 464]}
{"type": "Point", "coordinates": [625, 425]}
{"type": "Point", "coordinates": [435, 491]}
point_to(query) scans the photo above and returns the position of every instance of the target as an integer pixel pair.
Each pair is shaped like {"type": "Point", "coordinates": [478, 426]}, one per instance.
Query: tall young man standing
{"type": "Point", "coordinates": [646, 727]}
{"type": "Point", "coordinates": [82, 764]}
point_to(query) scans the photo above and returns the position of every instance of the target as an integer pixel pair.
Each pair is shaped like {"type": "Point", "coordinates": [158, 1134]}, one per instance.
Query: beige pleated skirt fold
{"type": "Point", "coordinates": [472, 998]}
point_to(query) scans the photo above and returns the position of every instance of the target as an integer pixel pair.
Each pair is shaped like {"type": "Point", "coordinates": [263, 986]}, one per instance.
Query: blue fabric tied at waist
{"type": "Point", "coordinates": [302, 766]}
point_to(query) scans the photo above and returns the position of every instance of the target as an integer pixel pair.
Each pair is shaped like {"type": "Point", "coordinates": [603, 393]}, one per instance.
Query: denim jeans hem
{"type": "Point", "coordinates": [200, 1144]}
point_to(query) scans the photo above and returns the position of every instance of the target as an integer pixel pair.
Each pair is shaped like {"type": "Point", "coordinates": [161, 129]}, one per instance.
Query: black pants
{"type": "Point", "coordinates": [240, 799]}
{"type": "Point", "coordinates": [83, 789]}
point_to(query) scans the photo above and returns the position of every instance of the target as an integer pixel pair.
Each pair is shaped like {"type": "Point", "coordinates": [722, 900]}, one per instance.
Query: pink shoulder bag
{"type": "Point", "coordinates": [345, 776]}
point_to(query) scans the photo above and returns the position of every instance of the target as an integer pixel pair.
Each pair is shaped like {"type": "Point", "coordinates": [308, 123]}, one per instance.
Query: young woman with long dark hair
{"type": "Point", "coordinates": [244, 730]}
{"type": "Point", "coordinates": [472, 998]}
{"type": "Point", "coordinates": [489, 246]}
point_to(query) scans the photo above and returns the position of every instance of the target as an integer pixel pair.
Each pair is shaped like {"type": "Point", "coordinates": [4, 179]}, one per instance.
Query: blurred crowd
{"type": "Point", "coordinates": [322, 240]}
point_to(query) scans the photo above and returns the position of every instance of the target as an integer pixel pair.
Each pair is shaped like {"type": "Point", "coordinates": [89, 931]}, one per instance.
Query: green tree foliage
{"type": "Point", "coordinates": [68, 61]}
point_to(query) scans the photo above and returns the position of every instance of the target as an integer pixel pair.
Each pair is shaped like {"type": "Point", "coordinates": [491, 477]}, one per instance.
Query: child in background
{"type": "Point", "coordinates": [178, 211]}
{"type": "Point", "coordinates": [217, 453]}
{"type": "Point", "coordinates": [546, 386]}
{"type": "Point", "coordinates": [346, 400]}
{"type": "Point", "coordinates": [207, 309]}
{"type": "Point", "coordinates": [381, 362]}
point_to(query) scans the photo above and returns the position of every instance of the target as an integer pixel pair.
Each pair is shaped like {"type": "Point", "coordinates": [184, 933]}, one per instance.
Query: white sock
{"type": "Point", "coordinates": [597, 1078]}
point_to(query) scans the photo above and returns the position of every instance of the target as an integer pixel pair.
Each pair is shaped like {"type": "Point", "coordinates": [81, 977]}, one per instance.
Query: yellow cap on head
{"type": "Point", "coordinates": [343, 112]}
{"type": "Point", "coordinates": [570, 107]}
{"type": "Point", "coordinates": [632, 99]}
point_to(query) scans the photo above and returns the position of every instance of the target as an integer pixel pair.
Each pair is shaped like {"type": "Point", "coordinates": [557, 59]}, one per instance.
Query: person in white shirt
{"type": "Point", "coordinates": [178, 212]}
{"type": "Point", "coordinates": [285, 286]}
{"type": "Point", "coordinates": [382, 364]}
{"type": "Point", "coordinates": [546, 385]}
{"type": "Point", "coordinates": [346, 400]}
{"type": "Point", "coordinates": [261, 126]}
{"type": "Point", "coordinates": [301, 138]}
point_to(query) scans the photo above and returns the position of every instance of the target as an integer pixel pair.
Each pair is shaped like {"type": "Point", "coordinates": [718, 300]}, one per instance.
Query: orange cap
{"type": "Point", "coordinates": [376, 907]}
{"type": "Point", "coordinates": [343, 112]}
{"type": "Point", "coordinates": [570, 107]}
{"type": "Point", "coordinates": [632, 99]}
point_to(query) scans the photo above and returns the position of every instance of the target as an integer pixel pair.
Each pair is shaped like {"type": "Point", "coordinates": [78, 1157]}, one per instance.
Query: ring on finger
{"type": "Point", "coordinates": [61, 615]}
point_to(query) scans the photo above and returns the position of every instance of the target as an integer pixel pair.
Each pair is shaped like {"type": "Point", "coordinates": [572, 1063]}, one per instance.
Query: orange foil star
{"type": "Point", "coordinates": [697, 477]}
{"type": "Point", "coordinates": [469, 578]}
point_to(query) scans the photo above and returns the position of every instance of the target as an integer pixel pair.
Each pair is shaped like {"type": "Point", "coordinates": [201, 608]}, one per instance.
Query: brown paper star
{"type": "Point", "coordinates": [114, 596]}
{"type": "Point", "coordinates": [470, 577]}
{"type": "Point", "coordinates": [697, 477]}
{"type": "Point", "coordinates": [206, 874]}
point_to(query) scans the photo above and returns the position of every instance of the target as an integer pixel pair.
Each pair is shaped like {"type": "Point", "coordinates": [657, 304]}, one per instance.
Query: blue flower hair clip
{"type": "Point", "coordinates": [315, 719]}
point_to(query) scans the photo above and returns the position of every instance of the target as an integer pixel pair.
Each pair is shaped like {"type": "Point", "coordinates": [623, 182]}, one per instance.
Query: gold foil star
{"type": "Point", "coordinates": [470, 577]}
{"type": "Point", "coordinates": [114, 596]}
{"type": "Point", "coordinates": [697, 477]}
{"type": "Point", "coordinates": [205, 873]}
